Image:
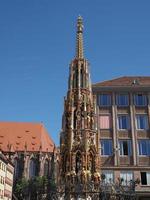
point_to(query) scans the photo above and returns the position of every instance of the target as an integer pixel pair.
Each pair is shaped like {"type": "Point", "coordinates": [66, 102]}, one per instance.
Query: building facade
{"type": "Point", "coordinates": [123, 108]}
{"type": "Point", "coordinates": [29, 147]}
{"type": "Point", "coordinates": [6, 178]}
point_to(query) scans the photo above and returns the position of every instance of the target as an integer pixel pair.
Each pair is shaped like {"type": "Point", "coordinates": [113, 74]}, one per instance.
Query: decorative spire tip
{"type": "Point", "coordinates": [79, 42]}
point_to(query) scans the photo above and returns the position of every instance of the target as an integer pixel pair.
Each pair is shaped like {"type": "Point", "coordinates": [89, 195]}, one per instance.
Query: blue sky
{"type": "Point", "coordinates": [37, 43]}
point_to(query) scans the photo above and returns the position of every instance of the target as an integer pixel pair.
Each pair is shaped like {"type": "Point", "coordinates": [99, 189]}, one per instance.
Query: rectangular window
{"type": "Point", "coordinates": [104, 121]}
{"type": "Point", "coordinates": [140, 100]}
{"type": "Point", "coordinates": [109, 176]}
{"type": "Point", "coordinates": [142, 122]}
{"type": "Point", "coordinates": [125, 147]}
{"type": "Point", "coordinates": [144, 147]}
{"type": "Point", "coordinates": [145, 178]}
{"type": "Point", "coordinates": [104, 100]}
{"type": "Point", "coordinates": [122, 100]}
{"type": "Point", "coordinates": [123, 122]}
{"type": "Point", "coordinates": [106, 147]}
{"type": "Point", "coordinates": [127, 177]}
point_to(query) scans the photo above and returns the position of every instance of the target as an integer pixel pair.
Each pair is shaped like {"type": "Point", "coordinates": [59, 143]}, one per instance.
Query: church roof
{"type": "Point", "coordinates": [21, 136]}
{"type": "Point", "coordinates": [125, 81]}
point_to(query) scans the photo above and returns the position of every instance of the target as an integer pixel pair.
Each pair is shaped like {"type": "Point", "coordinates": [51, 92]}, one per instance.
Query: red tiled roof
{"type": "Point", "coordinates": [126, 81]}
{"type": "Point", "coordinates": [18, 136]}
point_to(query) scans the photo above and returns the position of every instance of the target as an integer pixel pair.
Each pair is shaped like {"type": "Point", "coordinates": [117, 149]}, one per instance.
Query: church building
{"type": "Point", "coordinates": [29, 147]}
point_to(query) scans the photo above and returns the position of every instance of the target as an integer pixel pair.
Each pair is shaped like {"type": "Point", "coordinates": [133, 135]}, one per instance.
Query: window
{"type": "Point", "coordinates": [142, 122]}
{"type": "Point", "coordinates": [127, 177]}
{"type": "Point", "coordinates": [32, 168]}
{"type": "Point", "coordinates": [123, 122]}
{"type": "Point", "coordinates": [144, 147]}
{"type": "Point", "coordinates": [122, 100]}
{"type": "Point", "coordinates": [125, 147]}
{"type": "Point", "coordinates": [104, 122]}
{"type": "Point", "coordinates": [145, 178]}
{"type": "Point", "coordinates": [106, 147]}
{"type": "Point", "coordinates": [104, 100]}
{"type": "Point", "coordinates": [17, 168]}
{"type": "Point", "coordinates": [109, 176]}
{"type": "Point", "coordinates": [140, 100]}
{"type": "Point", "coordinates": [46, 168]}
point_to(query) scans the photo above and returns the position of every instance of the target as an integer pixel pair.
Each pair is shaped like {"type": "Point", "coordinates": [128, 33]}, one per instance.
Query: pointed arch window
{"type": "Point", "coordinates": [32, 168]}
{"type": "Point", "coordinates": [16, 170]}
{"type": "Point", "coordinates": [78, 162]}
{"type": "Point", "coordinates": [46, 168]}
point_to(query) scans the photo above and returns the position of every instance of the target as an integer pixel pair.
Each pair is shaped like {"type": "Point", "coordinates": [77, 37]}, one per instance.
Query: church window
{"type": "Point", "coordinates": [32, 168]}
{"type": "Point", "coordinates": [46, 168]}
{"type": "Point", "coordinates": [16, 170]}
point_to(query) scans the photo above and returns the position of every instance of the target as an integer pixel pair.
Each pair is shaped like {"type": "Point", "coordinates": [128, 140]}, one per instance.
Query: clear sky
{"type": "Point", "coordinates": [37, 43]}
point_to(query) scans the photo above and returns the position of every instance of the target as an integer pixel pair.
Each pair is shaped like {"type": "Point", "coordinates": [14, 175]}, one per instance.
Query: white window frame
{"type": "Point", "coordinates": [147, 178]}
{"type": "Point", "coordinates": [99, 99]}
{"type": "Point", "coordinates": [106, 155]}
{"type": "Point", "coordinates": [129, 143]}
{"type": "Point", "coordinates": [138, 147]}
{"type": "Point", "coordinates": [111, 173]}
{"type": "Point", "coordinates": [146, 101]}
{"type": "Point", "coordinates": [117, 102]}
{"type": "Point", "coordinates": [126, 175]}
{"type": "Point", "coordinates": [128, 121]}
{"type": "Point", "coordinates": [110, 121]}
{"type": "Point", "coordinates": [146, 117]}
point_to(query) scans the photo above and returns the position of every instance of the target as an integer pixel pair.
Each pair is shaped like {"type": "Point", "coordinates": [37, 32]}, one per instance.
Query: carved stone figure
{"type": "Point", "coordinates": [79, 162]}
{"type": "Point", "coordinates": [83, 176]}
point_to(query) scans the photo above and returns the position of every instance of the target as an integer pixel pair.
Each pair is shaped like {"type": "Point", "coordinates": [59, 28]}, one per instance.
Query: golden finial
{"type": "Point", "coordinates": [80, 25]}
{"type": "Point", "coordinates": [79, 42]}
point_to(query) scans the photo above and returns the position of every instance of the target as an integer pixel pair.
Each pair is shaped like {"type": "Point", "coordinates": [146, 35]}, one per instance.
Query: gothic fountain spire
{"type": "Point", "coordinates": [79, 38]}
{"type": "Point", "coordinates": [79, 142]}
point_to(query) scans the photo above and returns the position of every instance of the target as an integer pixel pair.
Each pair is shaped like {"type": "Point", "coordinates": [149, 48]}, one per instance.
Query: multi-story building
{"type": "Point", "coordinates": [6, 178]}
{"type": "Point", "coordinates": [29, 147]}
{"type": "Point", "coordinates": [3, 166]}
{"type": "Point", "coordinates": [124, 130]}
{"type": "Point", "coordinates": [9, 181]}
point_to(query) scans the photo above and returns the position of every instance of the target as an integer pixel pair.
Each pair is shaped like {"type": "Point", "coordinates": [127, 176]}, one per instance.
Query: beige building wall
{"type": "Point", "coordinates": [8, 182]}
{"type": "Point", "coordinates": [135, 165]}
{"type": "Point", "coordinates": [3, 167]}
{"type": "Point", "coordinates": [6, 178]}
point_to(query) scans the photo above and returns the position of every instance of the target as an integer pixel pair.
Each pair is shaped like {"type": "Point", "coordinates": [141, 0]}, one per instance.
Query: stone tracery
{"type": "Point", "coordinates": [79, 150]}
